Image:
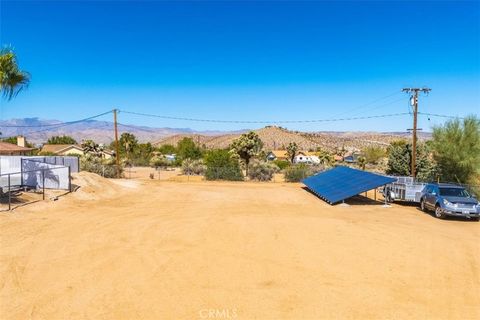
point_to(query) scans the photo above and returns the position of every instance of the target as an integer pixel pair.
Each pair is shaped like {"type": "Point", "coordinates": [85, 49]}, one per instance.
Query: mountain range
{"type": "Point", "coordinates": [38, 131]}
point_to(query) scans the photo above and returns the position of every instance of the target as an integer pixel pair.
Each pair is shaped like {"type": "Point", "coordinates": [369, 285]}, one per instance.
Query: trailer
{"type": "Point", "coordinates": [404, 189]}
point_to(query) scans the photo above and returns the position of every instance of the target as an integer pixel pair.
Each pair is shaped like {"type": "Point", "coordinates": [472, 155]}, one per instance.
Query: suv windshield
{"type": "Point", "coordinates": [454, 192]}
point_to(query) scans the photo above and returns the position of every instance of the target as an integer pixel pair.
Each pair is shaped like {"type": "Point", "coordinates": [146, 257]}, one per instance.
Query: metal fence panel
{"type": "Point", "coordinates": [38, 174]}
{"type": "Point", "coordinates": [13, 164]}
{"type": "Point", "coordinates": [10, 164]}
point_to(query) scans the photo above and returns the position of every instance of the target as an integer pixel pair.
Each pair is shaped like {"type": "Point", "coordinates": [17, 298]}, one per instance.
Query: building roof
{"type": "Point", "coordinates": [6, 147]}
{"type": "Point", "coordinates": [284, 154]}
{"type": "Point", "coordinates": [280, 153]}
{"type": "Point", "coordinates": [57, 148]}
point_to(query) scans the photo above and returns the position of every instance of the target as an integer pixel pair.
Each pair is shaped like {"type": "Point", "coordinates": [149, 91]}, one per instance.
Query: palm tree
{"type": "Point", "coordinates": [12, 79]}
{"type": "Point", "coordinates": [129, 142]}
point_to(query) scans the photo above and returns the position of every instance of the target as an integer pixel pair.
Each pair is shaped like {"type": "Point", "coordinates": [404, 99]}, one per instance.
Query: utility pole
{"type": "Point", "coordinates": [117, 146]}
{"type": "Point", "coordinates": [414, 96]}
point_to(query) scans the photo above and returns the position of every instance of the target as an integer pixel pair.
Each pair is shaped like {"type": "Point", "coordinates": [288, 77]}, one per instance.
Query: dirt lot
{"type": "Point", "coordinates": [149, 249]}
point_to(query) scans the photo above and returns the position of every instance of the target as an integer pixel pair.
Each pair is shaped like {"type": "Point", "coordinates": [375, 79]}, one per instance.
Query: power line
{"type": "Point", "coordinates": [368, 104]}
{"type": "Point", "coordinates": [380, 106]}
{"type": "Point", "coordinates": [262, 121]}
{"type": "Point", "coordinates": [58, 124]}
{"type": "Point", "coordinates": [440, 115]}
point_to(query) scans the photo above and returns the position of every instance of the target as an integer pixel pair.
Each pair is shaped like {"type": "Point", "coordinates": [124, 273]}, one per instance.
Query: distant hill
{"type": "Point", "coordinates": [278, 138]}
{"type": "Point", "coordinates": [272, 136]}
{"type": "Point", "coordinates": [99, 131]}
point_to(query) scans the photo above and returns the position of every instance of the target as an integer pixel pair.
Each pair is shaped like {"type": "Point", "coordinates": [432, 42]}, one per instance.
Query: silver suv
{"type": "Point", "coordinates": [449, 200]}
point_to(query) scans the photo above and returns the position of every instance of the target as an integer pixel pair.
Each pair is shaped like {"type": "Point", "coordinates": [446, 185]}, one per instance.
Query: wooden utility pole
{"type": "Point", "coordinates": [414, 96]}
{"type": "Point", "coordinates": [117, 146]}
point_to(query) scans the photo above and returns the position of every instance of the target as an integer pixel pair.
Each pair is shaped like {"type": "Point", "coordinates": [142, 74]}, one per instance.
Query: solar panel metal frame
{"type": "Point", "coordinates": [342, 182]}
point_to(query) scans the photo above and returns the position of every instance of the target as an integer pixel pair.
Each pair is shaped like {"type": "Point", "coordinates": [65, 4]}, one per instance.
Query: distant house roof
{"type": "Point", "coordinates": [10, 149]}
{"type": "Point", "coordinates": [280, 154]}
{"type": "Point", "coordinates": [58, 148]}
{"type": "Point", "coordinates": [61, 148]}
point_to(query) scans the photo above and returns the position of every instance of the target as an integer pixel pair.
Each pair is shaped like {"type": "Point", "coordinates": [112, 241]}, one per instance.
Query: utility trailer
{"type": "Point", "coordinates": [404, 189]}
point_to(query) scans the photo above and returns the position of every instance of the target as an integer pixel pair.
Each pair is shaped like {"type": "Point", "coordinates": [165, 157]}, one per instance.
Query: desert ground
{"type": "Point", "coordinates": [173, 249]}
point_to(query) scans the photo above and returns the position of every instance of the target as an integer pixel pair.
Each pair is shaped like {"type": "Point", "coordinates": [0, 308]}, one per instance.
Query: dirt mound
{"type": "Point", "coordinates": [91, 186]}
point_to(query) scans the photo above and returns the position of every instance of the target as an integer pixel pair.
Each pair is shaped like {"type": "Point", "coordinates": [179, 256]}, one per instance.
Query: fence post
{"type": "Point", "coordinates": [69, 181]}
{"type": "Point", "coordinates": [43, 183]}
{"type": "Point", "coordinates": [21, 172]}
{"type": "Point", "coordinates": [9, 194]}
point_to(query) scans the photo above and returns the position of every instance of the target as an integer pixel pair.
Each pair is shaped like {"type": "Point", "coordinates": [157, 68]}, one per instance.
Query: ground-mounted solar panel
{"type": "Point", "coordinates": [341, 183]}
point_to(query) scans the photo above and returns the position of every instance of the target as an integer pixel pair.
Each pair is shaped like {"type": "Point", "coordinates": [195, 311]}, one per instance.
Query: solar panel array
{"type": "Point", "coordinates": [341, 183]}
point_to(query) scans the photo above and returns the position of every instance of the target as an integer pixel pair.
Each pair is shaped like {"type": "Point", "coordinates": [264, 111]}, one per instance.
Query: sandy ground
{"type": "Point", "coordinates": [149, 249]}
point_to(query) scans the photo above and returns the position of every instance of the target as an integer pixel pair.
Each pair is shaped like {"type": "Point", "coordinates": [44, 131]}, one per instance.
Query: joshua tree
{"type": "Point", "coordinates": [325, 157]}
{"type": "Point", "coordinates": [341, 152]}
{"type": "Point", "coordinates": [361, 162]}
{"type": "Point", "coordinates": [246, 147]}
{"type": "Point", "coordinates": [90, 147]}
{"type": "Point", "coordinates": [12, 79]}
{"type": "Point", "coordinates": [292, 150]}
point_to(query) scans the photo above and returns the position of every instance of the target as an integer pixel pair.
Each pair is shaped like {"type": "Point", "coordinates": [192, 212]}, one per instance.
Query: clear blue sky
{"type": "Point", "coordinates": [254, 60]}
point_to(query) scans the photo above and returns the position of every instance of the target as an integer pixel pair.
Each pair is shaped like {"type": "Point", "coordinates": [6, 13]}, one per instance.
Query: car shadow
{"type": "Point", "coordinates": [447, 218]}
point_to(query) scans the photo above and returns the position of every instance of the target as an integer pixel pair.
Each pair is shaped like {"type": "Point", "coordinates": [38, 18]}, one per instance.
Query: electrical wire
{"type": "Point", "coordinates": [440, 115]}
{"type": "Point", "coordinates": [58, 124]}
{"type": "Point", "coordinates": [380, 106]}
{"type": "Point", "coordinates": [368, 104]}
{"type": "Point", "coordinates": [262, 122]}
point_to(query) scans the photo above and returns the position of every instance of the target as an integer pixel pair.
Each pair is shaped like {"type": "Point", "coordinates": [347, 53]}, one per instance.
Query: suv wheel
{"type": "Point", "coordinates": [439, 212]}
{"type": "Point", "coordinates": [423, 206]}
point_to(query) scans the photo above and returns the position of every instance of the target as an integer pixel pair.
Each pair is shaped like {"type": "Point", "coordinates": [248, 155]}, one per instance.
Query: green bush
{"type": "Point", "coordinates": [96, 165]}
{"type": "Point", "coordinates": [373, 154]}
{"type": "Point", "coordinates": [262, 171]}
{"type": "Point", "coordinates": [221, 166]}
{"type": "Point", "coordinates": [281, 164]}
{"type": "Point", "coordinates": [193, 167]}
{"type": "Point", "coordinates": [159, 161]}
{"type": "Point", "coordinates": [187, 149]}
{"type": "Point", "coordinates": [297, 172]}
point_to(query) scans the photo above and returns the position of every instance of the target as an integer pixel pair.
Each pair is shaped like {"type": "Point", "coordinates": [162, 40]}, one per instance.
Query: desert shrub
{"type": "Point", "coordinates": [262, 171]}
{"type": "Point", "coordinates": [373, 154]}
{"type": "Point", "coordinates": [221, 166]}
{"type": "Point", "coordinates": [193, 167]}
{"type": "Point", "coordinates": [61, 140]}
{"type": "Point", "coordinates": [167, 149]}
{"type": "Point", "coordinates": [47, 153]}
{"type": "Point", "coordinates": [456, 149]}
{"type": "Point", "coordinates": [297, 172]}
{"type": "Point", "coordinates": [158, 161]}
{"type": "Point", "coordinates": [187, 149]}
{"type": "Point", "coordinates": [281, 164]}
{"type": "Point", "coordinates": [105, 168]}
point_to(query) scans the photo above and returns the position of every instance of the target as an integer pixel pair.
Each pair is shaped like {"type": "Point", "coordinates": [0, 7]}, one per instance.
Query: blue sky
{"type": "Point", "coordinates": [244, 60]}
